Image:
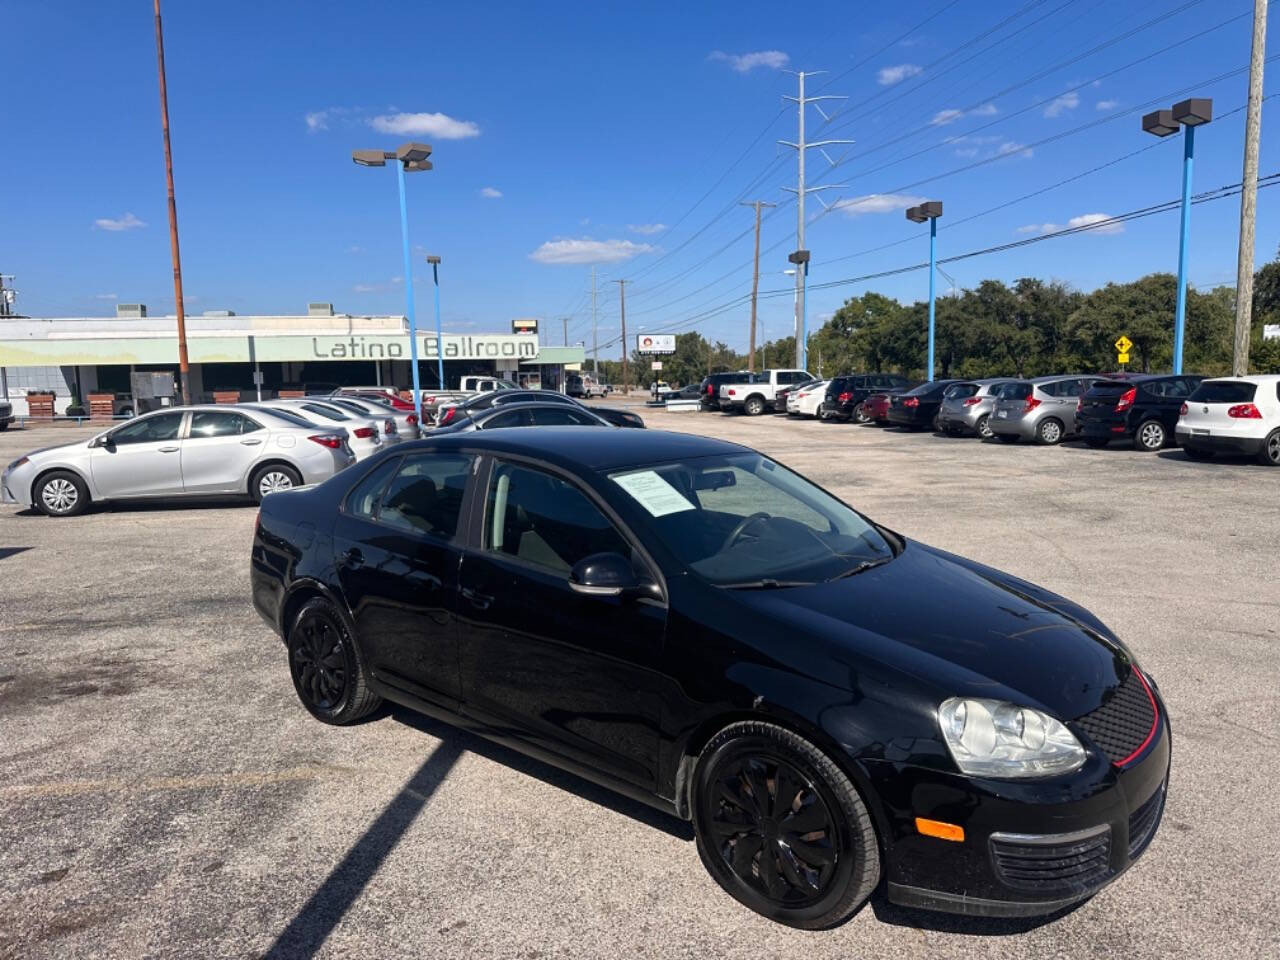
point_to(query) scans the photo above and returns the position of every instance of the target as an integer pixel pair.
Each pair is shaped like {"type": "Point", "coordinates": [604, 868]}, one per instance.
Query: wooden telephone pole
{"type": "Point", "coordinates": [183, 367]}
{"type": "Point", "coordinates": [755, 284]}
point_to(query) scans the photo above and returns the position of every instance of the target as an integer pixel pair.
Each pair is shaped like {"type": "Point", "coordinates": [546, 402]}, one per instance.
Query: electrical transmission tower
{"type": "Point", "coordinates": [801, 256]}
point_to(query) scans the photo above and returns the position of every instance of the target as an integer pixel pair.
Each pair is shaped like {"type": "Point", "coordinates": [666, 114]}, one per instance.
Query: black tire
{"type": "Point", "coordinates": [753, 407]}
{"type": "Point", "coordinates": [60, 493]}
{"type": "Point", "coordinates": [1199, 453]}
{"type": "Point", "coordinates": [328, 675]}
{"type": "Point", "coordinates": [983, 427]}
{"type": "Point", "coordinates": [1050, 431]}
{"type": "Point", "coordinates": [828, 868]}
{"type": "Point", "coordinates": [271, 478]}
{"type": "Point", "coordinates": [1269, 455]}
{"type": "Point", "coordinates": [860, 415]}
{"type": "Point", "coordinates": [1096, 442]}
{"type": "Point", "coordinates": [1006, 437]}
{"type": "Point", "coordinates": [1150, 436]}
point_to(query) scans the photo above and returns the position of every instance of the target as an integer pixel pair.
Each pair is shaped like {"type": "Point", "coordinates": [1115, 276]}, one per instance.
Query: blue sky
{"type": "Point", "coordinates": [622, 135]}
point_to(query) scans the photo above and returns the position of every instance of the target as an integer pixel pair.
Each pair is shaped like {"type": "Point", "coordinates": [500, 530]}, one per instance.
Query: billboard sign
{"type": "Point", "coordinates": [655, 343]}
{"type": "Point", "coordinates": [525, 325]}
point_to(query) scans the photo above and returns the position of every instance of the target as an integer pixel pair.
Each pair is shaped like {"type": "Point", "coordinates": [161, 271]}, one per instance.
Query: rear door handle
{"type": "Point", "coordinates": [168, 449]}
{"type": "Point", "coordinates": [353, 557]}
{"type": "Point", "coordinates": [478, 600]}
{"type": "Point", "coordinates": [250, 443]}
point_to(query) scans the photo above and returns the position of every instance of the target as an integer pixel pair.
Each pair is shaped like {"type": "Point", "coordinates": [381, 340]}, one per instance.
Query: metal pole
{"type": "Point", "coordinates": [408, 294]}
{"type": "Point", "coordinates": [622, 299]}
{"type": "Point", "coordinates": [1180, 311]}
{"type": "Point", "coordinates": [565, 322]}
{"type": "Point", "coordinates": [800, 277]}
{"type": "Point", "coordinates": [435, 277]}
{"type": "Point", "coordinates": [595, 346]}
{"type": "Point", "coordinates": [933, 267]}
{"type": "Point", "coordinates": [184, 370]}
{"type": "Point", "coordinates": [1249, 194]}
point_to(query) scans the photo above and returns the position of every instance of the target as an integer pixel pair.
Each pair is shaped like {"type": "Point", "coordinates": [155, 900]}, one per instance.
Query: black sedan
{"type": "Point", "coordinates": [917, 408]}
{"type": "Point", "coordinates": [473, 407]}
{"type": "Point", "coordinates": [696, 626]}
{"type": "Point", "coordinates": [505, 415]}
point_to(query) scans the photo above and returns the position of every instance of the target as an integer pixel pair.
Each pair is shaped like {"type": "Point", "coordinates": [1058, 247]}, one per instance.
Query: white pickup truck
{"type": "Point", "coordinates": [755, 395]}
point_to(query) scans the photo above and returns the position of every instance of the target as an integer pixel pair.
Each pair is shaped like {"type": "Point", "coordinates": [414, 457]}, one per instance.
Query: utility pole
{"type": "Point", "coordinates": [6, 296]}
{"type": "Point", "coordinates": [565, 321]}
{"type": "Point", "coordinates": [801, 256]}
{"type": "Point", "coordinates": [1249, 194]}
{"type": "Point", "coordinates": [622, 296]}
{"type": "Point", "coordinates": [755, 285]}
{"type": "Point", "coordinates": [184, 371]}
{"type": "Point", "coordinates": [595, 348]}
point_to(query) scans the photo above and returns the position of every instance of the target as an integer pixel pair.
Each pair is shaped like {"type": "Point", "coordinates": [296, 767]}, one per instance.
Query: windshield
{"type": "Point", "coordinates": [746, 521]}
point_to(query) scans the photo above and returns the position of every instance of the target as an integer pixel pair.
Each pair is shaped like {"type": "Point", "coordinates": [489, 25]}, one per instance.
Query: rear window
{"type": "Point", "coordinates": [1224, 391]}
{"type": "Point", "coordinates": [920, 391]}
{"type": "Point", "coordinates": [958, 391]}
{"type": "Point", "coordinates": [1110, 388]}
{"type": "Point", "coordinates": [1014, 391]}
{"type": "Point", "coordinates": [284, 415]}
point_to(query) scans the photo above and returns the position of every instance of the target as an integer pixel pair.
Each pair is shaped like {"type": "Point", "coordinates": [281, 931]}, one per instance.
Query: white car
{"type": "Point", "coordinates": [364, 434]}
{"type": "Point", "coordinates": [807, 401]}
{"type": "Point", "coordinates": [397, 425]}
{"type": "Point", "coordinates": [1233, 415]}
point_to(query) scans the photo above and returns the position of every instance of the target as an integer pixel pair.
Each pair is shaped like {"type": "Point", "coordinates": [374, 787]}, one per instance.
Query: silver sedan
{"type": "Point", "coordinates": [179, 452]}
{"type": "Point", "coordinates": [364, 433]}
{"type": "Point", "coordinates": [397, 425]}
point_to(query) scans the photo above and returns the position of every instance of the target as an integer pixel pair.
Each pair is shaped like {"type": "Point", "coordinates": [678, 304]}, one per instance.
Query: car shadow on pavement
{"type": "Point", "coordinates": [311, 926]}
{"type": "Point", "coordinates": [1178, 455]}
{"type": "Point", "coordinates": [473, 743]}
{"type": "Point", "coordinates": [7, 552]}
{"type": "Point", "coordinates": [899, 916]}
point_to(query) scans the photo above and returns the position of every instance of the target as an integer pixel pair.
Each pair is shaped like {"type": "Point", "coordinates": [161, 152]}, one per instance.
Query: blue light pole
{"type": "Point", "coordinates": [930, 211]}
{"type": "Point", "coordinates": [435, 278]}
{"type": "Point", "coordinates": [1190, 114]}
{"type": "Point", "coordinates": [409, 157]}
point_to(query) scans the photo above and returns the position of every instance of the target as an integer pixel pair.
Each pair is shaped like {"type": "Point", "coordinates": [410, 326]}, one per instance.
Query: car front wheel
{"type": "Point", "coordinates": [983, 427]}
{"type": "Point", "coordinates": [61, 494]}
{"type": "Point", "coordinates": [327, 673]}
{"type": "Point", "coordinates": [860, 414]}
{"type": "Point", "coordinates": [782, 828]}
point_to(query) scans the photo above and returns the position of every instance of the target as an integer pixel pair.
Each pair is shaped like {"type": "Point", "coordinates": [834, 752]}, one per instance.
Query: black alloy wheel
{"type": "Point", "coordinates": [781, 828]}
{"type": "Point", "coordinates": [327, 673]}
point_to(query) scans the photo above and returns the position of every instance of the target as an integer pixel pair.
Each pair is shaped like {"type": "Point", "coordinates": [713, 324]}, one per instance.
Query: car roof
{"type": "Point", "coordinates": [1250, 378]}
{"type": "Point", "coordinates": [576, 448]}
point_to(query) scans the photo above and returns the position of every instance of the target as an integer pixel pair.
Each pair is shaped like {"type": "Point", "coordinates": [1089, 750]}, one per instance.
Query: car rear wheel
{"type": "Point", "coordinates": [1150, 436]}
{"type": "Point", "coordinates": [860, 414]}
{"type": "Point", "coordinates": [273, 478]}
{"type": "Point", "coordinates": [1270, 452]}
{"type": "Point", "coordinates": [325, 666]}
{"type": "Point", "coordinates": [61, 494]}
{"type": "Point", "coordinates": [1049, 431]}
{"type": "Point", "coordinates": [754, 406]}
{"type": "Point", "coordinates": [782, 828]}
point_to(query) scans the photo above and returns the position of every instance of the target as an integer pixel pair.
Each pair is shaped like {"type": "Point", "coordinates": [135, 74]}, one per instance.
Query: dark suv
{"type": "Point", "coordinates": [1140, 408]}
{"type": "Point", "coordinates": [709, 389]}
{"type": "Point", "coordinates": [845, 394]}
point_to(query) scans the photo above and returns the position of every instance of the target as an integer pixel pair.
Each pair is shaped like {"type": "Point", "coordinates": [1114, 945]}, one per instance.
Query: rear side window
{"type": "Point", "coordinates": [1225, 391]}
{"type": "Point", "coordinates": [511, 418]}
{"type": "Point", "coordinates": [425, 496]}
{"type": "Point", "coordinates": [562, 417]}
{"type": "Point", "coordinates": [363, 499]}
{"type": "Point", "coordinates": [215, 423]}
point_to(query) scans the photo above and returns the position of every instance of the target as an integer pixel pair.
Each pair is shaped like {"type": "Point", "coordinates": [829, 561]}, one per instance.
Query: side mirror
{"type": "Point", "coordinates": [603, 575]}
{"type": "Point", "coordinates": [103, 441]}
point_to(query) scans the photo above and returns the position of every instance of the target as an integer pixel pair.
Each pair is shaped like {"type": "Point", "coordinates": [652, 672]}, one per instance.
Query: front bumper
{"type": "Point", "coordinates": [15, 487]}
{"type": "Point", "coordinates": [1029, 848]}
{"type": "Point", "coordinates": [1219, 443]}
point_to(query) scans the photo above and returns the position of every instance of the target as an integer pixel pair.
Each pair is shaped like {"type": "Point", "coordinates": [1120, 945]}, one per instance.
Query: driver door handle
{"type": "Point", "coordinates": [168, 449]}
{"type": "Point", "coordinates": [250, 443]}
{"type": "Point", "coordinates": [478, 600]}
{"type": "Point", "coordinates": [353, 557]}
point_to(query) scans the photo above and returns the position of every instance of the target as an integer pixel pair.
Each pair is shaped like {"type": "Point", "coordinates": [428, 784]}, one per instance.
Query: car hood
{"type": "Point", "coordinates": [51, 453]}
{"type": "Point", "coordinates": [959, 627]}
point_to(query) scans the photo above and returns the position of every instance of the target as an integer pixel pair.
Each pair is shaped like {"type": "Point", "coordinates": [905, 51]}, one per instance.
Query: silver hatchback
{"type": "Point", "coordinates": [966, 407]}
{"type": "Point", "coordinates": [1042, 409]}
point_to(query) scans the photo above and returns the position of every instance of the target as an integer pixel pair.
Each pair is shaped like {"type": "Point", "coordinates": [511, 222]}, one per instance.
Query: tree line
{"type": "Point", "coordinates": [1031, 328]}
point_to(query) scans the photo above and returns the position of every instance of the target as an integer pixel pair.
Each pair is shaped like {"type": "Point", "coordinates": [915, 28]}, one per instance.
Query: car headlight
{"type": "Point", "coordinates": [992, 738]}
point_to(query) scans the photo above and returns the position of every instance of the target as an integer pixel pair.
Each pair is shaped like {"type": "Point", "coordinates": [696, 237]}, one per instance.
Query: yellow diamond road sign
{"type": "Point", "coordinates": [1123, 345]}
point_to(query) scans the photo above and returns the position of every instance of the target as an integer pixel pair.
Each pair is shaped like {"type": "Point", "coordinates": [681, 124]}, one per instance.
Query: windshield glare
{"type": "Point", "coordinates": [742, 519]}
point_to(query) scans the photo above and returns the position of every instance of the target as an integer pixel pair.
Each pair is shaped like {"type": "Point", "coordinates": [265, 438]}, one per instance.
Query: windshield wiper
{"type": "Point", "coordinates": [864, 566]}
{"type": "Point", "coordinates": [766, 583]}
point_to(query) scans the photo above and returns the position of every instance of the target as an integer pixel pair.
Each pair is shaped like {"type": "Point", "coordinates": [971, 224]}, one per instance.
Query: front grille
{"type": "Point", "coordinates": [1063, 863]}
{"type": "Point", "coordinates": [1122, 725]}
{"type": "Point", "coordinates": [1143, 822]}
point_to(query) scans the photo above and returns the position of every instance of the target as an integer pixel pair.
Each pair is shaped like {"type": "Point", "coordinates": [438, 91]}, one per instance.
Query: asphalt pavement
{"type": "Point", "coordinates": [162, 793]}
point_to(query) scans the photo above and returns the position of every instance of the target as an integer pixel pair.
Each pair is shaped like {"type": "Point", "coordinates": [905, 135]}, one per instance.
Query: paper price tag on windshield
{"type": "Point", "coordinates": [653, 493]}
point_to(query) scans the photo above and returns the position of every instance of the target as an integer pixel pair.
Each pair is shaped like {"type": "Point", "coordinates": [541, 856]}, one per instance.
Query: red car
{"type": "Point", "coordinates": [380, 394]}
{"type": "Point", "coordinates": [876, 407]}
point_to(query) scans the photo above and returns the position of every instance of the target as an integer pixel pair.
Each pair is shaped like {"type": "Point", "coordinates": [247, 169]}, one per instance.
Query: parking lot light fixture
{"type": "Point", "coordinates": [410, 157]}
{"type": "Point", "coordinates": [435, 278]}
{"type": "Point", "coordinates": [930, 210]}
{"type": "Point", "coordinates": [1190, 114]}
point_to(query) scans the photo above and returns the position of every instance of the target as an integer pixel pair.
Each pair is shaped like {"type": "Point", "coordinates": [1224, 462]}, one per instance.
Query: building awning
{"type": "Point", "coordinates": [555, 356]}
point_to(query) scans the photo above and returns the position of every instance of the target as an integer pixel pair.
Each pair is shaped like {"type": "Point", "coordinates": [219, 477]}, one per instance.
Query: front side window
{"type": "Point", "coordinates": [745, 521]}
{"type": "Point", "coordinates": [215, 423]}
{"type": "Point", "coordinates": [541, 519]}
{"type": "Point", "coordinates": [162, 426]}
{"type": "Point", "coordinates": [425, 496]}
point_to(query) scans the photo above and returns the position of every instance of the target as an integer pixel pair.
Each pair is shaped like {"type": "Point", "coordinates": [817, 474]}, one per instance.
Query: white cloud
{"type": "Point", "coordinates": [438, 125]}
{"type": "Point", "coordinates": [646, 229]}
{"type": "Point", "coordinates": [877, 203]}
{"type": "Point", "coordinates": [1038, 228]}
{"type": "Point", "coordinates": [1011, 147]}
{"type": "Point", "coordinates": [1068, 101]}
{"type": "Point", "coordinates": [586, 250]}
{"type": "Point", "coordinates": [986, 110]}
{"type": "Point", "coordinates": [746, 62]}
{"type": "Point", "coordinates": [127, 222]}
{"type": "Point", "coordinates": [317, 120]}
{"type": "Point", "coordinates": [365, 287]}
{"type": "Point", "coordinates": [966, 152]}
{"type": "Point", "coordinates": [1107, 104]}
{"type": "Point", "coordinates": [105, 296]}
{"type": "Point", "coordinates": [490, 193]}
{"type": "Point", "coordinates": [1088, 218]}
{"type": "Point", "coordinates": [946, 116]}
{"type": "Point", "coordinates": [888, 76]}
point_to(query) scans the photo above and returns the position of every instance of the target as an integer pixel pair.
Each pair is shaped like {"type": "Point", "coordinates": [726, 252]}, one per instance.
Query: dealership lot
{"type": "Point", "coordinates": [165, 795]}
